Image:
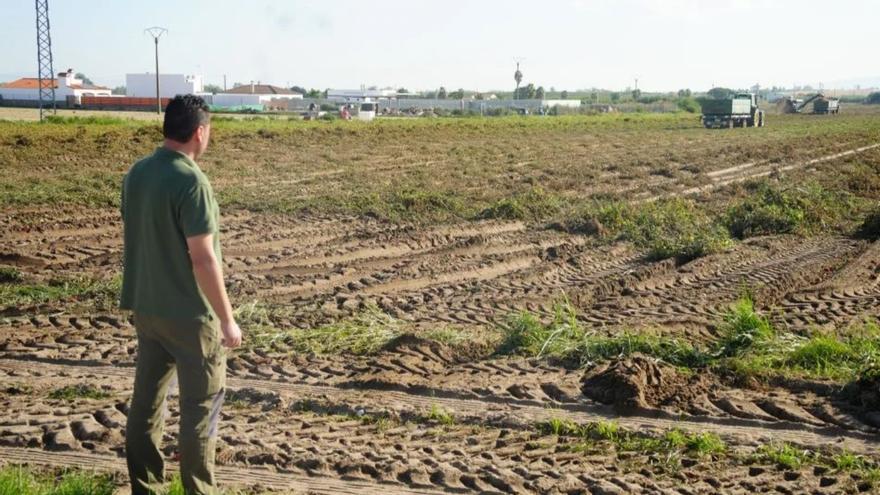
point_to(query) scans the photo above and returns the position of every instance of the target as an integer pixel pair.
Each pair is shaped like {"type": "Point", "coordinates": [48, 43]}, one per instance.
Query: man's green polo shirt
{"type": "Point", "coordinates": [165, 199]}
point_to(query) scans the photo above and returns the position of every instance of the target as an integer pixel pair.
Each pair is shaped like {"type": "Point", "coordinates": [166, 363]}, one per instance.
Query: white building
{"type": "Point", "coordinates": [28, 88]}
{"type": "Point", "coordinates": [255, 94]}
{"type": "Point", "coordinates": [170, 85]}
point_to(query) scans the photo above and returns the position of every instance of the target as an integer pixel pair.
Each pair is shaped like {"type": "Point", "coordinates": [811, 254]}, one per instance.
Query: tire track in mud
{"type": "Point", "coordinates": [228, 475]}
{"type": "Point", "coordinates": [747, 429]}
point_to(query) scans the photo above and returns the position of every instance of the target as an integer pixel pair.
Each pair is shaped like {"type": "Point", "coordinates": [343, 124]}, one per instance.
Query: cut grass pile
{"type": "Point", "coordinates": [367, 332]}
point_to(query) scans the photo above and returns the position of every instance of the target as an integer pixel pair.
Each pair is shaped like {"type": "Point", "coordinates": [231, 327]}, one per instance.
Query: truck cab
{"type": "Point", "coordinates": [367, 110]}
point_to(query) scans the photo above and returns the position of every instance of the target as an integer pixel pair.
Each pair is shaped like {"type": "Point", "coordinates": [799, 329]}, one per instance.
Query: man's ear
{"type": "Point", "coordinates": [199, 134]}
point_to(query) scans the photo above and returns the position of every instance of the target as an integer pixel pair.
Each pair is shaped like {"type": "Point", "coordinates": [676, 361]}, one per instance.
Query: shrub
{"type": "Point", "coordinates": [689, 105]}
{"type": "Point", "coordinates": [873, 98]}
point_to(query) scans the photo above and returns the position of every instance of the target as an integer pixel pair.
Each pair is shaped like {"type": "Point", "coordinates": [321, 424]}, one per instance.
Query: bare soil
{"type": "Point", "coordinates": [364, 424]}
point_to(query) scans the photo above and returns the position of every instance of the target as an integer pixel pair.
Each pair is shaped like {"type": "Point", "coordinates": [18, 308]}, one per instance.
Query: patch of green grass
{"type": "Point", "coordinates": [801, 210]}
{"type": "Point", "coordinates": [669, 444]}
{"type": "Point", "coordinates": [845, 355]}
{"type": "Point", "coordinates": [75, 392]}
{"type": "Point", "coordinates": [18, 480]}
{"type": "Point", "coordinates": [669, 228]}
{"type": "Point", "coordinates": [565, 338]}
{"type": "Point", "coordinates": [89, 120]}
{"type": "Point", "coordinates": [9, 274]}
{"type": "Point", "coordinates": [847, 461]}
{"type": "Point", "coordinates": [440, 415]}
{"type": "Point", "coordinates": [743, 328]}
{"type": "Point", "coordinates": [535, 204]}
{"type": "Point", "coordinates": [101, 294]}
{"type": "Point", "coordinates": [783, 455]}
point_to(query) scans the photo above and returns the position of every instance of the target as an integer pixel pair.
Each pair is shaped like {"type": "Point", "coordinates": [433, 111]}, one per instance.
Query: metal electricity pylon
{"type": "Point", "coordinates": [156, 32]}
{"type": "Point", "coordinates": [45, 71]}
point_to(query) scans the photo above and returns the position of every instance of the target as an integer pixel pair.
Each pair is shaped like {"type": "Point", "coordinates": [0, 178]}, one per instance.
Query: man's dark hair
{"type": "Point", "coordinates": [183, 115]}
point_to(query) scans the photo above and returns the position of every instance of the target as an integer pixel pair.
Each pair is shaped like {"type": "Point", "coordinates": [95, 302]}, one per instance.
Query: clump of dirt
{"type": "Point", "coordinates": [865, 392]}
{"type": "Point", "coordinates": [642, 382]}
{"type": "Point", "coordinates": [265, 400]}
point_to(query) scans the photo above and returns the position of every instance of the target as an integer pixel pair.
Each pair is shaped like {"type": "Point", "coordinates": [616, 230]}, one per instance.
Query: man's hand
{"type": "Point", "coordinates": [231, 334]}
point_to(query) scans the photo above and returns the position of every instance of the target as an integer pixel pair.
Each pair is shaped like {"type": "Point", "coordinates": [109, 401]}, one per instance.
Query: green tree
{"type": "Point", "coordinates": [299, 89]}
{"type": "Point", "coordinates": [539, 93]}
{"type": "Point", "coordinates": [684, 93]}
{"type": "Point", "coordinates": [564, 94]}
{"type": "Point", "coordinates": [85, 79]}
{"type": "Point", "coordinates": [873, 98]}
{"type": "Point", "coordinates": [118, 90]}
{"type": "Point", "coordinates": [615, 97]}
{"type": "Point", "coordinates": [441, 93]}
{"type": "Point", "coordinates": [458, 94]}
{"type": "Point", "coordinates": [402, 91]}
{"type": "Point", "coordinates": [314, 93]}
{"type": "Point", "coordinates": [636, 94]}
{"type": "Point", "coordinates": [526, 92]}
{"type": "Point", "coordinates": [212, 88]}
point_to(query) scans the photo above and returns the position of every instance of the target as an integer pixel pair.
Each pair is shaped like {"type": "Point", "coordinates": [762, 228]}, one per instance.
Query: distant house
{"type": "Point", "coordinates": [28, 88]}
{"type": "Point", "coordinates": [170, 85]}
{"type": "Point", "coordinates": [255, 94]}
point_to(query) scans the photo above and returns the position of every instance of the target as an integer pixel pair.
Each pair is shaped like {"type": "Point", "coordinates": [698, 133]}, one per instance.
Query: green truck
{"type": "Point", "coordinates": [740, 110]}
{"type": "Point", "coordinates": [824, 105]}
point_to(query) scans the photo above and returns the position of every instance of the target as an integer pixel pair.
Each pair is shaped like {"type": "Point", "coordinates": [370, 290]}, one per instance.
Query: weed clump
{"type": "Point", "coordinates": [673, 228]}
{"type": "Point", "coordinates": [743, 329]}
{"type": "Point", "coordinates": [786, 211]}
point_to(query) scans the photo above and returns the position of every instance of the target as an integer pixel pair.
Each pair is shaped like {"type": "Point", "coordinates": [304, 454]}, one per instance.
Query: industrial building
{"type": "Point", "coordinates": [66, 86]}
{"type": "Point", "coordinates": [255, 94]}
{"type": "Point", "coordinates": [170, 85]}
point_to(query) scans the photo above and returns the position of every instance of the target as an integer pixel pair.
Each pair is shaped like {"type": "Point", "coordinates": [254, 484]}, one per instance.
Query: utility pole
{"type": "Point", "coordinates": [45, 72]}
{"type": "Point", "coordinates": [224, 82]}
{"type": "Point", "coordinates": [156, 32]}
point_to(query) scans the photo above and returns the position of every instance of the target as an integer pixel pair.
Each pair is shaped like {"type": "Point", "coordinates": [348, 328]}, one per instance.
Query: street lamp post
{"type": "Point", "coordinates": [156, 32]}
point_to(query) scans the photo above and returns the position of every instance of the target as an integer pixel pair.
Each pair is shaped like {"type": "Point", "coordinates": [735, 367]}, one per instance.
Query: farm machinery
{"type": "Point", "coordinates": [821, 104]}
{"type": "Point", "coordinates": [740, 110]}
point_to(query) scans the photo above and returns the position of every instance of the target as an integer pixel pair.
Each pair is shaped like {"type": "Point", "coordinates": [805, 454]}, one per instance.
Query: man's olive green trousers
{"type": "Point", "coordinates": [192, 350]}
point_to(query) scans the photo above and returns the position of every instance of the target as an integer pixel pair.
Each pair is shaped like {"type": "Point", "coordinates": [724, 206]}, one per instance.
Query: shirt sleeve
{"type": "Point", "coordinates": [196, 212]}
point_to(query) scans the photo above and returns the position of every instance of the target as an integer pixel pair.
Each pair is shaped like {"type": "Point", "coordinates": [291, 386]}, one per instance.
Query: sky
{"type": "Point", "coordinates": [422, 45]}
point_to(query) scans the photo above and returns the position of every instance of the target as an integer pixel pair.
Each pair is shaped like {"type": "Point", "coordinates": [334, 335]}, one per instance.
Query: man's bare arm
{"type": "Point", "coordinates": [209, 276]}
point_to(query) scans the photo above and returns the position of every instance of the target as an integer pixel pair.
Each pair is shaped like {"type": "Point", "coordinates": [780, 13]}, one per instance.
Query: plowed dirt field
{"type": "Point", "coordinates": [421, 415]}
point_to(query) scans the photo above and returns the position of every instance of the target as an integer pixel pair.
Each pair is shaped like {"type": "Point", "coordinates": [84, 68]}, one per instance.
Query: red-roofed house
{"type": "Point", "coordinates": [27, 88]}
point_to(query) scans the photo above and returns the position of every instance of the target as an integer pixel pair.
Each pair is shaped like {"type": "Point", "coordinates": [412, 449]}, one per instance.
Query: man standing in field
{"type": "Point", "coordinates": [173, 282]}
